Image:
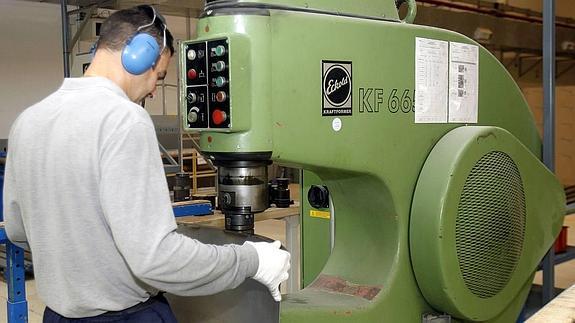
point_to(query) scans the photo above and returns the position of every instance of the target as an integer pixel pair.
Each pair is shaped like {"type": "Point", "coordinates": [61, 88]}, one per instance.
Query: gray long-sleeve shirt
{"type": "Point", "coordinates": [85, 189]}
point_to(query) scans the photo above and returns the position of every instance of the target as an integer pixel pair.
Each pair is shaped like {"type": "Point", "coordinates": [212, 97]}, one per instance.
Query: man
{"type": "Point", "coordinates": [86, 192]}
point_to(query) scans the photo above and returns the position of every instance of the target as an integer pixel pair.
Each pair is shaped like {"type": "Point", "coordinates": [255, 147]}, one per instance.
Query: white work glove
{"type": "Point", "coordinates": [274, 264]}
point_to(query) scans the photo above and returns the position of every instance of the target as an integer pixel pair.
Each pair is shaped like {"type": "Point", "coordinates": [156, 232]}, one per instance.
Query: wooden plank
{"type": "Point", "coordinates": [217, 219]}
{"type": "Point", "coordinates": [559, 310]}
{"type": "Point", "coordinates": [192, 202]}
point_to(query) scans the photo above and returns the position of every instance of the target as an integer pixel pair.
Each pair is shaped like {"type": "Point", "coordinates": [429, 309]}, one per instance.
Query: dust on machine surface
{"type": "Point", "coordinates": [414, 141]}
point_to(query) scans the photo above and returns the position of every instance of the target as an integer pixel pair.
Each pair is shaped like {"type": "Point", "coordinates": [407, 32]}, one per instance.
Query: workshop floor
{"type": "Point", "coordinates": [564, 273]}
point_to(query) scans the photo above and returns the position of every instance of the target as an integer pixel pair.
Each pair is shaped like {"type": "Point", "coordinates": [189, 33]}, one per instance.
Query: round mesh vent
{"type": "Point", "coordinates": [490, 224]}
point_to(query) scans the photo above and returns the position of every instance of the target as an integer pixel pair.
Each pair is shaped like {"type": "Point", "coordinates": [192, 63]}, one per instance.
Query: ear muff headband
{"type": "Point", "coordinates": [142, 50]}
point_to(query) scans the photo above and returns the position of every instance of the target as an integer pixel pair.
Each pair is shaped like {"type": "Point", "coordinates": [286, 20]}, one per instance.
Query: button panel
{"type": "Point", "coordinates": [197, 106]}
{"type": "Point", "coordinates": [207, 84]}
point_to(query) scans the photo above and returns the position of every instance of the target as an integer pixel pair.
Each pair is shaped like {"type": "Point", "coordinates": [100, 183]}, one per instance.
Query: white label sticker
{"type": "Point", "coordinates": [463, 82]}
{"type": "Point", "coordinates": [431, 80]}
{"type": "Point", "coordinates": [336, 124]}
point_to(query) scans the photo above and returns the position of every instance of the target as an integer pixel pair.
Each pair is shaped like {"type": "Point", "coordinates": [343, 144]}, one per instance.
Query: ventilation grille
{"type": "Point", "coordinates": [490, 224]}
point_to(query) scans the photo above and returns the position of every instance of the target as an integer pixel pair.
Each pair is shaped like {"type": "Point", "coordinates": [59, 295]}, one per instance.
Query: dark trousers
{"type": "Point", "coordinates": [155, 310]}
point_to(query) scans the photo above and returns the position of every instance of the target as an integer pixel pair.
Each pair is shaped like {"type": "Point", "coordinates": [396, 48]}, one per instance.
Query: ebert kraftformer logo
{"type": "Point", "coordinates": [336, 88]}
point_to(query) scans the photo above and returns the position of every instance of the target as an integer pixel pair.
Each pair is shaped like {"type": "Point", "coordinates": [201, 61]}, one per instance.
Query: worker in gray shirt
{"type": "Point", "coordinates": [85, 191]}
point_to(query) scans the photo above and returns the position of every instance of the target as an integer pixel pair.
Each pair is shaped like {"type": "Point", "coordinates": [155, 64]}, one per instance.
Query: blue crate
{"type": "Point", "coordinates": [193, 209]}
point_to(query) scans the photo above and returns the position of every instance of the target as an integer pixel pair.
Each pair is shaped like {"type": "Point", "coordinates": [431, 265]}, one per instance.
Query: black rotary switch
{"type": "Point", "coordinates": [318, 196]}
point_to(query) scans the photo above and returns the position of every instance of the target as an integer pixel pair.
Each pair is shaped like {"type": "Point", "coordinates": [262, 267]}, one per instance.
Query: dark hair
{"type": "Point", "coordinates": [122, 25]}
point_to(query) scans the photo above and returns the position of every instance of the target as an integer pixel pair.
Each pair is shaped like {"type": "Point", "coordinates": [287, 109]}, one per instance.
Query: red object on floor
{"type": "Point", "coordinates": [561, 242]}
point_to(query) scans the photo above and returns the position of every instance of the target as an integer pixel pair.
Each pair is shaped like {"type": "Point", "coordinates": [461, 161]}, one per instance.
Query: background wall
{"type": "Point", "coordinates": [565, 99]}
{"type": "Point", "coordinates": [31, 58]}
{"type": "Point", "coordinates": [564, 125]}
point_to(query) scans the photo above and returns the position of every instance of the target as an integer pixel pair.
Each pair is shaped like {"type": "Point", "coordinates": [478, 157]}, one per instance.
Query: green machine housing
{"type": "Point", "coordinates": [429, 217]}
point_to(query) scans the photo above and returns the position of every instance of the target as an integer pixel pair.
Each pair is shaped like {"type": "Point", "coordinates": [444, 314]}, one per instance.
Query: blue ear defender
{"type": "Point", "coordinates": [140, 54]}
{"type": "Point", "coordinates": [142, 50]}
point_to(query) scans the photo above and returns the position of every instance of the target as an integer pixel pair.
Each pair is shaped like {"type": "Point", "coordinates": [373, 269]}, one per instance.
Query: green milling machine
{"type": "Point", "coordinates": [420, 157]}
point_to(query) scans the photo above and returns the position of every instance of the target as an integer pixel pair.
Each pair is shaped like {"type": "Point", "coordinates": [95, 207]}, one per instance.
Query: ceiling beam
{"type": "Point", "coordinates": [183, 8]}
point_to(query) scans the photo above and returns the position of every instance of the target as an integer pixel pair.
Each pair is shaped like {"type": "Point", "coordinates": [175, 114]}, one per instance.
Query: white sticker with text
{"type": "Point", "coordinates": [463, 82]}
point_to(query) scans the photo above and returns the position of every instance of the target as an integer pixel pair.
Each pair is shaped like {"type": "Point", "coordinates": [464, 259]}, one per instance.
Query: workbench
{"type": "Point", "coordinates": [217, 219]}
{"type": "Point", "coordinates": [560, 310]}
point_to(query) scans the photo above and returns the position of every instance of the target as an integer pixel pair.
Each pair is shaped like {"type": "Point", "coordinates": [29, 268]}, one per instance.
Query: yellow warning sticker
{"type": "Point", "coordinates": [319, 214]}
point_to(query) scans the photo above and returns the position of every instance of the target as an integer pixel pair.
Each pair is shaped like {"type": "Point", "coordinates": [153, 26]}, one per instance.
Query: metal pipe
{"type": "Point", "coordinates": [95, 5]}
{"type": "Point", "coordinates": [64, 12]}
{"type": "Point", "coordinates": [188, 25]}
{"type": "Point", "coordinates": [179, 103]}
{"type": "Point", "coordinates": [170, 159]}
{"type": "Point", "coordinates": [164, 108]}
{"type": "Point", "coordinates": [549, 128]}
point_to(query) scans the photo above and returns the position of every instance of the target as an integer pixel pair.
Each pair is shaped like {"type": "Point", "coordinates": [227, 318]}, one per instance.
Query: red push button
{"type": "Point", "coordinates": [192, 74]}
{"type": "Point", "coordinates": [219, 116]}
{"type": "Point", "coordinates": [221, 96]}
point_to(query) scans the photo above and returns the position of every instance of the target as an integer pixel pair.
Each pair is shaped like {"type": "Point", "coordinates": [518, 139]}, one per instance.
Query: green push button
{"type": "Point", "coordinates": [220, 81]}
{"type": "Point", "coordinates": [219, 66]}
{"type": "Point", "coordinates": [220, 50]}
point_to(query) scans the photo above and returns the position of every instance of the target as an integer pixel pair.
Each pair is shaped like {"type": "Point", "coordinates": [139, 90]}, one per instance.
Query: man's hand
{"type": "Point", "coordinates": [274, 264]}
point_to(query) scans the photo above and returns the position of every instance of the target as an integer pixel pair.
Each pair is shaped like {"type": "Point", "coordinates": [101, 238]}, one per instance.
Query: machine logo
{"type": "Point", "coordinates": [336, 88]}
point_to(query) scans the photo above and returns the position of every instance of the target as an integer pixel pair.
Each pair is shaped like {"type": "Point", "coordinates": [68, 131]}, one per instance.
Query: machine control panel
{"type": "Point", "coordinates": [207, 88]}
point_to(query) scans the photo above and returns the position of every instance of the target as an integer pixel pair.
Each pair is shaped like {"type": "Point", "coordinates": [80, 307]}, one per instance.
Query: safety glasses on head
{"type": "Point", "coordinates": [160, 19]}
